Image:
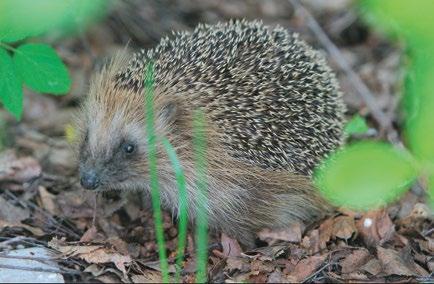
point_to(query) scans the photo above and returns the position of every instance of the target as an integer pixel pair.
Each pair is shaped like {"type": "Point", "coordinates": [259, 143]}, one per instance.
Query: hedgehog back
{"type": "Point", "coordinates": [274, 100]}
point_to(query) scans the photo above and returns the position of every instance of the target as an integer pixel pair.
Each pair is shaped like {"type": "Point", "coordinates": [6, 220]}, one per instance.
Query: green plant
{"type": "Point", "coordinates": [370, 174]}
{"type": "Point", "coordinates": [37, 66]}
{"type": "Point", "coordinates": [200, 167]}
{"type": "Point", "coordinates": [357, 125]}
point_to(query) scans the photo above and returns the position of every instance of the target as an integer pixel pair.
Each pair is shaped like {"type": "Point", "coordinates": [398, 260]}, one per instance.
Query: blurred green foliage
{"type": "Point", "coordinates": [25, 18]}
{"type": "Point", "coordinates": [410, 20]}
{"type": "Point", "coordinates": [37, 65]}
{"type": "Point", "coordinates": [357, 125]}
{"type": "Point", "coordinates": [370, 174]}
{"type": "Point", "coordinates": [366, 175]}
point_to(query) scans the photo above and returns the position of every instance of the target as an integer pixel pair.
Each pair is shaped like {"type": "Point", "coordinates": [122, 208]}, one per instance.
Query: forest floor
{"type": "Point", "coordinates": [110, 239]}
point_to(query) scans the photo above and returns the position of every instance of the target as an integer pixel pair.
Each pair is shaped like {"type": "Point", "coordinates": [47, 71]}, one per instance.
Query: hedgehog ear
{"type": "Point", "coordinates": [168, 112]}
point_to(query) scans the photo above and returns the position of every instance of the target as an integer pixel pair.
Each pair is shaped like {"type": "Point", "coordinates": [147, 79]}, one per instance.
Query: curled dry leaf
{"type": "Point", "coordinates": [20, 170]}
{"type": "Point", "coordinates": [399, 263]}
{"type": "Point", "coordinates": [92, 253]}
{"type": "Point", "coordinates": [291, 234]}
{"type": "Point", "coordinates": [231, 247]}
{"type": "Point", "coordinates": [48, 201]}
{"type": "Point", "coordinates": [306, 267]}
{"type": "Point", "coordinates": [344, 227]}
{"type": "Point", "coordinates": [375, 227]}
{"type": "Point", "coordinates": [355, 260]}
{"type": "Point", "coordinates": [148, 276]}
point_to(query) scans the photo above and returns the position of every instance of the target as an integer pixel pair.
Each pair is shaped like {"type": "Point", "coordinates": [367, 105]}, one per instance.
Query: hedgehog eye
{"type": "Point", "coordinates": [128, 148]}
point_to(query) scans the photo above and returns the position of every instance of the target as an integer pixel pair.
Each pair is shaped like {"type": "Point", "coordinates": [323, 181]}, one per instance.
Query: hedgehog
{"type": "Point", "coordinates": [272, 110]}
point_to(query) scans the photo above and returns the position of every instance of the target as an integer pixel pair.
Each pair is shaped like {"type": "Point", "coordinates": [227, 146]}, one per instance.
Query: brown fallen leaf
{"type": "Point", "coordinates": [325, 232]}
{"type": "Point", "coordinates": [344, 227]}
{"type": "Point", "coordinates": [12, 214]}
{"type": "Point", "coordinates": [375, 227]}
{"type": "Point", "coordinates": [237, 264]}
{"type": "Point", "coordinates": [311, 242]}
{"type": "Point", "coordinates": [355, 260]}
{"type": "Point", "coordinates": [399, 263]}
{"type": "Point", "coordinates": [262, 266]}
{"type": "Point", "coordinates": [231, 247]}
{"type": "Point", "coordinates": [291, 234]}
{"type": "Point", "coordinates": [306, 267]}
{"type": "Point", "coordinates": [92, 253]}
{"type": "Point", "coordinates": [20, 170]}
{"type": "Point", "coordinates": [148, 276]}
{"type": "Point", "coordinates": [373, 267]}
{"type": "Point", "coordinates": [48, 201]}
{"type": "Point", "coordinates": [89, 235]}
{"type": "Point", "coordinates": [276, 277]}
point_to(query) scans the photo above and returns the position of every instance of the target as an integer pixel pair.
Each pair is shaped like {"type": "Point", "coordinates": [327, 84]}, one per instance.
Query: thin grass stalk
{"type": "Point", "coordinates": [199, 144]}
{"type": "Point", "coordinates": [152, 158]}
{"type": "Point", "coordinates": [182, 209]}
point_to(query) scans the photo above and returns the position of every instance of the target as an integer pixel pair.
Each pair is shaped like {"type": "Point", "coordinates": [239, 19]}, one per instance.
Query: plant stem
{"type": "Point", "coordinates": [182, 210]}
{"type": "Point", "coordinates": [152, 158]}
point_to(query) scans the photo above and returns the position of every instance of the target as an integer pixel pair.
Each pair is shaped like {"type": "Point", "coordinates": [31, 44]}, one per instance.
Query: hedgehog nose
{"type": "Point", "coordinates": [89, 180]}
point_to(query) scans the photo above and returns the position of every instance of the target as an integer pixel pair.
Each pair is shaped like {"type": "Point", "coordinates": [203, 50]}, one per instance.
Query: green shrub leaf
{"type": "Point", "coordinates": [23, 18]}
{"type": "Point", "coordinates": [357, 125]}
{"type": "Point", "coordinates": [365, 175]}
{"type": "Point", "coordinates": [41, 69]}
{"type": "Point", "coordinates": [11, 92]}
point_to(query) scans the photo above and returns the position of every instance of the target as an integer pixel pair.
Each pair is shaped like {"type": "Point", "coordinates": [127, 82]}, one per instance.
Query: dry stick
{"type": "Point", "coordinates": [357, 83]}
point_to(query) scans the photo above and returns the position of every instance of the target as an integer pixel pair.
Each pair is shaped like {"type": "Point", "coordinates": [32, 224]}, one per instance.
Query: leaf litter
{"type": "Point", "coordinates": [112, 238]}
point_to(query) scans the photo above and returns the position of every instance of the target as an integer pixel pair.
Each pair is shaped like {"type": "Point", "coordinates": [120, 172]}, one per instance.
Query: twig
{"type": "Point", "coordinates": [384, 122]}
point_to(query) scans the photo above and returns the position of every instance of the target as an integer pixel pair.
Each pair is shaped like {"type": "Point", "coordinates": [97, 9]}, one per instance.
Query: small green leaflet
{"type": "Point", "coordinates": [41, 69]}
{"type": "Point", "coordinates": [365, 175]}
{"type": "Point", "coordinates": [357, 125]}
{"type": "Point", "coordinates": [11, 91]}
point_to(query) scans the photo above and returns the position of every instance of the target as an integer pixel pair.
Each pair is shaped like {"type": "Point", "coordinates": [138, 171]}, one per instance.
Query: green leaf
{"type": "Point", "coordinates": [41, 69]}
{"type": "Point", "coordinates": [419, 103]}
{"type": "Point", "coordinates": [411, 19]}
{"type": "Point", "coordinates": [365, 175]}
{"type": "Point", "coordinates": [11, 91]}
{"type": "Point", "coordinates": [357, 125]}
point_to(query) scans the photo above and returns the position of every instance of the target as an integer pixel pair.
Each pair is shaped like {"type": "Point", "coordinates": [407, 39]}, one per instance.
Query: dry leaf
{"type": "Point", "coordinates": [344, 227]}
{"type": "Point", "coordinates": [237, 263]}
{"type": "Point", "coordinates": [306, 267]}
{"type": "Point", "coordinates": [231, 247]}
{"type": "Point", "coordinates": [355, 260]}
{"type": "Point", "coordinates": [291, 234]}
{"type": "Point", "coordinates": [92, 253]}
{"type": "Point", "coordinates": [13, 169]}
{"type": "Point", "coordinates": [89, 235]}
{"type": "Point", "coordinates": [12, 214]}
{"type": "Point", "coordinates": [325, 232]}
{"type": "Point", "coordinates": [312, 242]}
{"type": "Point", "coordinates": [48, 201]}
{"type": "Point", "coordinates": [375, 227]}
{"type": "Point", "coordinates": [399, 263]}
{"type": "Point", "coordinates": [277, 277]}
{"type": "Point", "coordinates": [373, 267]}
{"type": "Point", "coordinates": [148, 276]}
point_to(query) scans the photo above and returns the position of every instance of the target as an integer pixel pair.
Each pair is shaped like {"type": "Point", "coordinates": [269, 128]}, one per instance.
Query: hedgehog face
{"type": "Point", "coordinates": [113, 147]}
{"type": "Point", "coordinates": [111, 153]}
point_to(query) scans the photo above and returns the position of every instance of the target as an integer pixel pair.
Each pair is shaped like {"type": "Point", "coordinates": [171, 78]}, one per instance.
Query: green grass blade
{"type": "Point", "coordinates": [152, 158]}
{"type": "Point", "coordinates": [199, 144]}
{"type": "Point", "coordinates": [183, 215]}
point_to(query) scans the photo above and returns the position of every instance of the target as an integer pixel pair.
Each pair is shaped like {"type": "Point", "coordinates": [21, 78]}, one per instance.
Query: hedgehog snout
{"type": "Point", "coordinates": [89, 179]}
